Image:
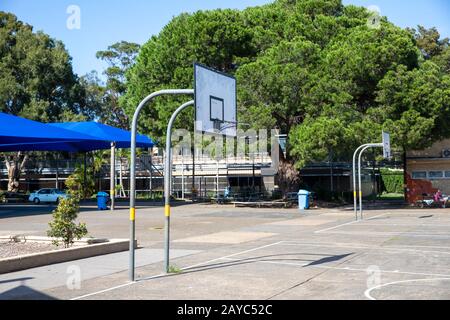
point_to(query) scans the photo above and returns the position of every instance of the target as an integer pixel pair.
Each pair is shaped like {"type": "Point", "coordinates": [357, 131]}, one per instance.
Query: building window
{"type": "Point", "coordinates": [447, 174]}
{"type": "Point", "coordinates": [419, 175]}
{"type": "Point", "coordinates": [435, 174]}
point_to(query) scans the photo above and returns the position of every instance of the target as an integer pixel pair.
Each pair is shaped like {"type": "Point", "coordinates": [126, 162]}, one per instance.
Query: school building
{"type": "Point", "coordinates": [428, 170]}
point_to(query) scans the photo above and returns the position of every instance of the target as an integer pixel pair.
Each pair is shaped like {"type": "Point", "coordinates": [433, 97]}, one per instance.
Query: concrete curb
{"type": "Point", "coordinates": [51, 257]}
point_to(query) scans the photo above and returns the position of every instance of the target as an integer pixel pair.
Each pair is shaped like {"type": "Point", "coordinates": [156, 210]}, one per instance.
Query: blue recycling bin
{"type": "Point", "coordinates": [102, 200]}
{"type": "Point", "coordinates": [303, 199]}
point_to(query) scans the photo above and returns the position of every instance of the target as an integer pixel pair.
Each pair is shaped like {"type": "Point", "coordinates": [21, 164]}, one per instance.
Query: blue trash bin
{"type": "Point", "coordinates": [303, 199]}
{"type": "Point", "coordinates": [102, 200]}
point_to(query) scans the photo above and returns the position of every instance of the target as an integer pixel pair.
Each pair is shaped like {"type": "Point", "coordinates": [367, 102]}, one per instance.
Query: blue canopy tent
{"type": "Point", "coordinates": [118, 138]}
{"type": "Point", "coordinates": [121, 138]}
{"type": "Point", "coordinates": [19, 134]}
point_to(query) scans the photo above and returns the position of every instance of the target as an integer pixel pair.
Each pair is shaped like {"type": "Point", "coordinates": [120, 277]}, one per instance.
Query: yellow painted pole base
{"type": "Point", "coordinates": [167, 210]}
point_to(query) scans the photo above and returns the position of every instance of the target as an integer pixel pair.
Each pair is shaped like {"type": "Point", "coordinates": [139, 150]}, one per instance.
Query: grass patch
{"type": "Point", "coordinates": [392, 196]}
{"type": "Point", "coordinates": [174, 269]}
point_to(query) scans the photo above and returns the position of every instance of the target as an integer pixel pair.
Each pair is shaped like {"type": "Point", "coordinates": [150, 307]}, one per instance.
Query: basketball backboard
{"type": "Point", "coordinates": [215, 101]}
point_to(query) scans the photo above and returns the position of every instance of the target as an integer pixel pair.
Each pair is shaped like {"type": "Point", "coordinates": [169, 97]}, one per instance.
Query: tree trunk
{"type": "Point", "coordinates": [14, 165]}
{"type": "Point", "coordinates": [405, 180]}
{"type": "Point", "coordinates": [122, 190]}
{"type": "Point", "coordinates": [288, 175]}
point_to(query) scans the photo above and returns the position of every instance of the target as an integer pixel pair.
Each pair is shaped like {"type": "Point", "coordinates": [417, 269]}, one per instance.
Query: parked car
{"type": "Point", "coordinates": [47, 195]}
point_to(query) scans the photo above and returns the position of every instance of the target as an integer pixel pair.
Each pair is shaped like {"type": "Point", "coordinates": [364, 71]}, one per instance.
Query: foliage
{"type": "Point", "coordinates": [174, 269]}
{"type": "Point", "coordinates": [62, 227]}
{"type": "Point", "coordinates": [36, 77]}
{"type": "Point", "coordinates": [392, 181]}
{"type": "Point", "coordinates": [80, 187]}
{"type": "Point", "coordinates": [429, 41]}
{"type": "Point", "coordinates": [313, 69]}
{"type": "Point", "coordinates": [120, 57]}
{"type": "Point", "coordinates": [219, 39]}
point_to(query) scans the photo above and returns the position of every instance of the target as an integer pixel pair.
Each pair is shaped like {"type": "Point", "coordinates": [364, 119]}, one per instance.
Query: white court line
{"type": "Point", "coordinates": [351, 222]}
{"type": "Point", "coordinates": [350, 246]}
{"type": "Point", "coordinates": [269, 262]}
{"type": "Point", "coordinates": [368, 291]}
{"type": "Point", "coordinates": [332, 244]}
{"type": "Point", "coordinates": [397, 233]}
{"type": "Point", "coordinates": [403, 224]}
{"type": "Point", "coordinates": [165, 274]}
{"type": "Point", "coordinates": [349, 268]}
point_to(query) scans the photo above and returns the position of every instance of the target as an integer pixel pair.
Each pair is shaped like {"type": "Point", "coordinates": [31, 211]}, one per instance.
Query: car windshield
{"type": "Point", "coordinates": [60, 192]}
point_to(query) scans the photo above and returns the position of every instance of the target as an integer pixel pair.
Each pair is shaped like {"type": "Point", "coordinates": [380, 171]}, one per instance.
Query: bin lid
{"type": "Point", "coordinates": [102, 194]}
{"type": "Point", "coordinates": [303, 192]}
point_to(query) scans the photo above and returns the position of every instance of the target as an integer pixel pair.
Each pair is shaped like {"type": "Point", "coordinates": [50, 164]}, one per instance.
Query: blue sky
{"type": "Point", "coordinates": [104, 22]}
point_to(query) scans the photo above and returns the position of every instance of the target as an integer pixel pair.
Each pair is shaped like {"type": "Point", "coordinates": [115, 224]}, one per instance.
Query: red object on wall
{"type": "Point", "coordinates": [417, 187]}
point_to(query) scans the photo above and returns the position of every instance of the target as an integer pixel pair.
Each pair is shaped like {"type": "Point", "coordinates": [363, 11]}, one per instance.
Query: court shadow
{"type": "Point", "coordinates": [329, 259]}
{"type": "Point", "coordinates": [274, 258]}
{"type": "Point", "coordinates": [24, 292]}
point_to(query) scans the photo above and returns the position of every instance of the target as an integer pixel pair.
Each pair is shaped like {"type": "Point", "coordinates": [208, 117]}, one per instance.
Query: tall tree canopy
{"type": "Point", "coordinates": [316, 69]}
{"type": "Point", "coordinates": [120, 57]}
{"type": "Point", "coordinates": [36, 77]}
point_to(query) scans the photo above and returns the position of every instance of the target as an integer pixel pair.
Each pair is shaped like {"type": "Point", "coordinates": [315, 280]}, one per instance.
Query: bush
{"type": "Point", "coordinates": [78, 186]}
{"type": "Point", "coordinates": [62, 227]}
{"type": "Point", "coordinates": [392, 181]}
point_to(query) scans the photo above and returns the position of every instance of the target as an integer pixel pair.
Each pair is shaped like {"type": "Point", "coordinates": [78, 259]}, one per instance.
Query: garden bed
{"type": "Point", "coordinates": [24, 252]}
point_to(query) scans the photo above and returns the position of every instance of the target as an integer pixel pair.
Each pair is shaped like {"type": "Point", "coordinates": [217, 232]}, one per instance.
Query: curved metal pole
{"type": "Point", "coordinates": [167, 180]}
{"type": "Point", "coordinates": [371, 145]}
{"type": "Point", "coordinates": [133, 165]}
{"type": "Point", "coordinates": [355, 210]}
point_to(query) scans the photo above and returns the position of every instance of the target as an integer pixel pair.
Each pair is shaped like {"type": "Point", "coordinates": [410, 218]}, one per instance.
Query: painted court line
{"type": "Point", "coordinates": [368, 292]}
{"type": "Point", "coordinates": [351, 222]}
{"type": "Point", "coordinates": [351, 246]}
{"type": "Point", "coordinates": [167, 275]}
{"type": "Point", "coordinates": [348, 268]}
{"type": "Point", "coordinates": [399, 233]}
{"type": "Point", "coordinates": [390, 223]}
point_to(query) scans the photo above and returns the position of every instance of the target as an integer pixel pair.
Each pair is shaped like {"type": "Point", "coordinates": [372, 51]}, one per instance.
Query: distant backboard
{"type": "Point", "coordinates": [386, 145]}
{"type": "Point", "coordinates": [215, 101]}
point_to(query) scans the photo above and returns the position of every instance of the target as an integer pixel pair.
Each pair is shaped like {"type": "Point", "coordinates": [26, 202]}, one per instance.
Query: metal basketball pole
{"type": "Point", "coordinates": [133, 168]}
{"type": "Point", "coordinates": [167, 179]}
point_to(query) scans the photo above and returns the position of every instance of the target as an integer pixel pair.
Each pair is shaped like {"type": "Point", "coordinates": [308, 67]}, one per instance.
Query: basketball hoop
{"type": "Point", "coordinates": [215, 101]}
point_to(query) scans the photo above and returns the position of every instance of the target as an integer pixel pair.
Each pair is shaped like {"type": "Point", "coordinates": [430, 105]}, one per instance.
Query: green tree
{"type": "Point", "coordinates": [80, 183]}
{"type": "Point", "coordinates": [414, 105]}
{"type": "Point", "coordinates": [120, 57]}
{"type": "Point", "coordinates": [63, 228]}
{"type": "Point", "coordinates": [314, 69]}
{"type": "Point", "coordinates": [429, 41]}
{"type": "Point", "coordinates": [219, 39]}
{"type": "Point", "coordinates": [36, 77]}
{"type": "Point", "coordinates": [36, 82]}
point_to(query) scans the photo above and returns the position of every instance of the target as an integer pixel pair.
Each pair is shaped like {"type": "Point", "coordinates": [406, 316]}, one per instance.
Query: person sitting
{"type": "Point", "coordinates": [439, 198]}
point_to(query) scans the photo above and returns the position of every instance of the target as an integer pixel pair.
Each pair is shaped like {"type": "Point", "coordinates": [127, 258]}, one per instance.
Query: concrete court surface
{"type": "Point", "coordinates": [246, 253]}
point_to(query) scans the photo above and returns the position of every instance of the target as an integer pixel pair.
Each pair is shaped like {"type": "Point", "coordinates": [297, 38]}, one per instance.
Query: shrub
{"type": "Point", "coordinates": [392, 181]}
{"type": "Point", "coordinates": [78, 186]}
{"type": "Point", "coordinates": [62, 227]}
